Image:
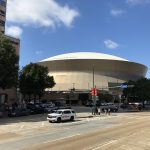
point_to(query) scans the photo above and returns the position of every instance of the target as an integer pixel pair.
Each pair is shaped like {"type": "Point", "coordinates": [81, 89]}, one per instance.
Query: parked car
{"type": "Point", "coordinates": [35, 108]}
{"type": "Point", "coordinates": [135, 106]}
{"type": "Point", "coordinates": [61, 115]}
{"type": "Point", "coordinates": [18, 112]}
{"type": "Point", "coordinates": [123, 105]}
{"type": "Point", "coordinates": [89, 104]}
{"type": "Point", "coordinates": [111, 106]}
{"type": "Point", "coordinates": [50, 109]}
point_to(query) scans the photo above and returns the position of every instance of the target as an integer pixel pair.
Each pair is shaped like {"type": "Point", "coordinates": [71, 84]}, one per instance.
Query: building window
{"type": "Point", "coordinates": [2, 3]}
{"type": "Point", "coordinates": [2, 13]}
{"type": "Point", "coordinates": [2, 32]}
{"type": "Point", "coordinates": [2, 23]}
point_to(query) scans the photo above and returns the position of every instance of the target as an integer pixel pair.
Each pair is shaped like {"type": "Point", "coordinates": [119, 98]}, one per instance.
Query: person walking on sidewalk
{"type": "Point", "coordinates": [99, 111]}
{"type": "Point", "coordinates": [108, 111]}
{"type": "Point", "coordinates": [105, 110]}
{"type": "Point", "coordinates": [93, 110]}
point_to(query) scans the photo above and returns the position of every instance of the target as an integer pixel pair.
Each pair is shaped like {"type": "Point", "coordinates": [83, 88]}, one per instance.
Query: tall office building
{"type": "Point", "coordinates": [2, 15]}
{"type": "Point", "coordinates": [15, 41]}
{"type": "Point", "coordinates": [7, 96]}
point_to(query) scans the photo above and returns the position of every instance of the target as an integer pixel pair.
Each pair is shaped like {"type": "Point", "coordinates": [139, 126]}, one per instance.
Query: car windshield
{"type": "Point", "coordinates": [59, 112]}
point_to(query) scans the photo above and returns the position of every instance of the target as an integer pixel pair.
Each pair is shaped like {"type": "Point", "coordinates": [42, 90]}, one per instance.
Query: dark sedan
{"type": "Point", "coordinates": [18, 112]}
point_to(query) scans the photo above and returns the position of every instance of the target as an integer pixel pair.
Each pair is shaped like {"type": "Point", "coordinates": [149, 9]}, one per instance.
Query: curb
{"type": "Point", "coordinates": [85, 117]}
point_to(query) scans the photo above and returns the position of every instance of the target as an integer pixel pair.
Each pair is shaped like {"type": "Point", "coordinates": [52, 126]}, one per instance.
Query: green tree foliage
{"type": "Point", "coordinates": [130, 91]}
{"type": "Point", "coordinates": [34, 79]}
{"type": "Point", "coordinates": [8, 64]}
{"type": "Point", "coordinates": [140, 90]}
{"type": "Point", "coordinates": [105, 97]}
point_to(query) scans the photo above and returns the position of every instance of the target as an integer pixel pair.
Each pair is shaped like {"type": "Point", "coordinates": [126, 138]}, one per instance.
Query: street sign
{"type": "Point", "coordinates": [124, 86]}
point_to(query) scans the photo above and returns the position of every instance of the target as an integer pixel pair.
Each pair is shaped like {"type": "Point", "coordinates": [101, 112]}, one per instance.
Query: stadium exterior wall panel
{"type": "Point", "coordinates": [79, 72]}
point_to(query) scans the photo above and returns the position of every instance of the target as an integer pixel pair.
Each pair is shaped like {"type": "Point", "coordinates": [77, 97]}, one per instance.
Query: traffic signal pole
{"type": "Point", "coordinates": [93, 78]}
{"type": "Point", "coordinates": [94, 90]}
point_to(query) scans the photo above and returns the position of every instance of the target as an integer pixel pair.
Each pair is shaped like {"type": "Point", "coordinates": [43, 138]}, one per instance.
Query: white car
{"type": "Point", "coordinates": [61, 115]}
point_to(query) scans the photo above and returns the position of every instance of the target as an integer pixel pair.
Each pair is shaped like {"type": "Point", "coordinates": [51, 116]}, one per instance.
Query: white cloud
{"type": "Point", "coordinates": [38, 52]}
{"type": "Point", "coordinates": [40, 13]}
{"type": "Point", "coordinates": [137, 2]}
{"type": "Point", "coordinates": [116, 12]}
{"type": "Point", "coordinates": [110, 44]}
{"type": "Point", "coordinates": [14, 31]}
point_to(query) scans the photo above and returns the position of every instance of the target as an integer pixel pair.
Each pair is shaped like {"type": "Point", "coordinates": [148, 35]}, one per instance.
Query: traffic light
{"type": "Point", "coordinates": [94, 92]}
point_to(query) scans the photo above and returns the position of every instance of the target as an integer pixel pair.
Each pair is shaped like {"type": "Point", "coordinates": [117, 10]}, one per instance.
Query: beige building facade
{"type": "Point", "coordinates": [77, 69]}
{"type": "Point", "coordinates": [84, 70]}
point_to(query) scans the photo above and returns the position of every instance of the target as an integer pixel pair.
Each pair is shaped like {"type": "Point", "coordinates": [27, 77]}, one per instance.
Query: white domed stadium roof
{"type": "Point", "coordinates": [84, 55]}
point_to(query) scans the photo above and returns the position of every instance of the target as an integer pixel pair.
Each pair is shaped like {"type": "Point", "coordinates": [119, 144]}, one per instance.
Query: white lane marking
{"type": "Point", "coordinates": [105, 144]}
{"type": "Point", "coordinates": [88, 119]}
{"type": "Point", "coordinates": [22, 127]}
{"type": "Point", "coordinates": [42, 123]}
{"type": "Point", "coordinates": [61, 138]}
{"type": "Point", "coordinates": [101, 145]}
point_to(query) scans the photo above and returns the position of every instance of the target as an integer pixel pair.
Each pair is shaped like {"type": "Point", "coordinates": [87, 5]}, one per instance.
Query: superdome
{"type": "Point", "coordinates": [77, 69]}
{"type": "Point", "coordinates": [84, 55]}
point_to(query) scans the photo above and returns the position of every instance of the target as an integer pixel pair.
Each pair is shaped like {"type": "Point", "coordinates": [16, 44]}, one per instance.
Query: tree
{"type": "Point", "coordinates": [8, 64]}
{"type": "Point", "coordinates": [130, 91]}
{"type": "Point", "coordinates": [105, 97]}
{"type": "Point", "coordinates": [139, 92]}
{"type": "Point", "coordinates": [34, 79]}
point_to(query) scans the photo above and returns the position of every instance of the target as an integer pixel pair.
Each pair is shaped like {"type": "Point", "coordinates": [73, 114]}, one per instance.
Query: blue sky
{"type": "Point", "coordinates": [52, 27]}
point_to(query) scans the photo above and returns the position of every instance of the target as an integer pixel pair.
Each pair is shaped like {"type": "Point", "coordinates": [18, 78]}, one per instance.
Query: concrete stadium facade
{"type": "Point", "coordinates": [82, 70]}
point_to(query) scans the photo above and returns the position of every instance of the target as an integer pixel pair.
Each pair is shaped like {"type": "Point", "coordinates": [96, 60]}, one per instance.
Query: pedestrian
{"type": "Point", "coordinates": [108, 111]}
{"type": "Point", "coordinates": [105, 110]}
{"type": "Point", "coordinates": [96, 110]}
{"type": "Point", "coordinates": [99, 111]}
{"type": "Point", "coordinates": [93, 110]}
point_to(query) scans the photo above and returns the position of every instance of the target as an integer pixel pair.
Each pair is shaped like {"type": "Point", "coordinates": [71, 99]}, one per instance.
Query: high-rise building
{"type": "Point", "coordinates": [7, 96]}
{"type": "Point", "coordinates": [2, 15]}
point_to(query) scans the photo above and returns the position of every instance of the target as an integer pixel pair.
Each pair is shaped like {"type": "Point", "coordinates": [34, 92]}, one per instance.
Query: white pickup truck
{"type": "Point", "coordinates": [61, 115]}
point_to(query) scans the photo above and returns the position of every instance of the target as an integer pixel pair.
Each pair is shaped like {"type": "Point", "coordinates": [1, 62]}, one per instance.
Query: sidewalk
{"type": "Point", "coordinates": [84, 115]}
{"type": "Point", "coordinates": [89, 115]}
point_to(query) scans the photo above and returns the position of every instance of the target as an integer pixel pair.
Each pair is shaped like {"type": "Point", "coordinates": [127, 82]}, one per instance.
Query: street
{"type": "Point", "coordinates": [119, 131]}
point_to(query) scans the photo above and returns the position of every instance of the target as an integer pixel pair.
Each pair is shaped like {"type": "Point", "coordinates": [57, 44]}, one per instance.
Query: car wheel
{"type": "Point", "coordinates": [50, 121]}
{"type": "Point", "coordinates": [59, 119]}
{"type": "Point", "coordinates": [72, 118]}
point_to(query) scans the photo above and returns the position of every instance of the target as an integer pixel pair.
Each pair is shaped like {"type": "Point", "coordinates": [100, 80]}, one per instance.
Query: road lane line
{"type": "Point", "coordinates": [105, 144]}
{"type": "Point", "coordinates": [101, 145]}
{"type": "Point", "coordinates": [61, 138]}
{"type": "Point", "coordinates": [22, 126]}
{"type": "Point", "coordinates": [42, 123]}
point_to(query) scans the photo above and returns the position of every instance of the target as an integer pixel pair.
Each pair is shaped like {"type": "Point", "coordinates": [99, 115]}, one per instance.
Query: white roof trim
{"type": "Point", "coordinates": [84, 55]}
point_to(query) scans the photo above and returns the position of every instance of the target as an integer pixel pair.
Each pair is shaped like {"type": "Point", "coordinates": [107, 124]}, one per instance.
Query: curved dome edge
{"type": "Point", "coordinates": [84, 55]}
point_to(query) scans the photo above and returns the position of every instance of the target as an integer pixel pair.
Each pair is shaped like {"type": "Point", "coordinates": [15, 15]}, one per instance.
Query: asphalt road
{"type": "Point", "coordinates": [116, 132]}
